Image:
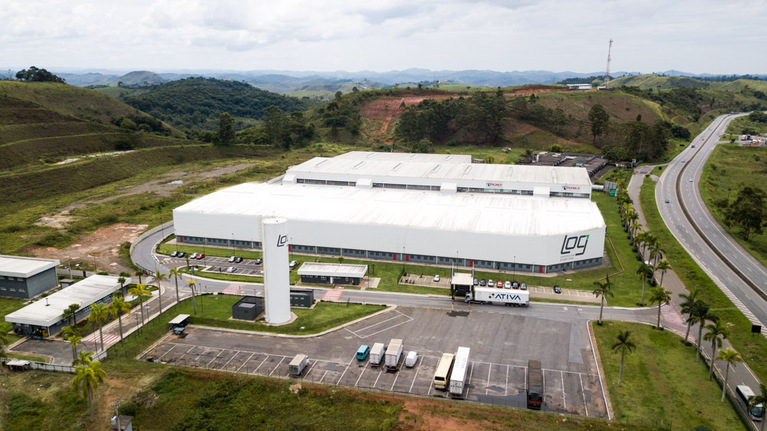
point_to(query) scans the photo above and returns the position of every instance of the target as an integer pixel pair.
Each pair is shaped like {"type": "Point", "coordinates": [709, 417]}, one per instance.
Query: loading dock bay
{"type": "Point", "coordinates": [497, 369]}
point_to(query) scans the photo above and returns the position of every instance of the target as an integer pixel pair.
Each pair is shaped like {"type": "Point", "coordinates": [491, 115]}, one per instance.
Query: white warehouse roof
{"type": "Point", "coordinates": [25, 267]}
{"type": "Point", "coordinates": [48, 311]}
{"type": "Point", "coordinates": [333, 269]}
{"type": "Point", "coordinates": [470, 212]}
{"type": "Point", "coordinates": [405, 157]}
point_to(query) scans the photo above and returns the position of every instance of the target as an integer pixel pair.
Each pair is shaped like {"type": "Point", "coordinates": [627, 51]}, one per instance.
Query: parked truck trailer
{"type": "Point", "coordinates": [297, 365]}
{"type": "Point", "coordinates": [394, 353]}
{"type": "Point", "coordinates": [534, 385]}
{"type": "Point", "coordinates": [460, 371]}
{"type": "Point", "coordinates": [377, 354]}
{"type": "Point", "coordinates": [512, 298]}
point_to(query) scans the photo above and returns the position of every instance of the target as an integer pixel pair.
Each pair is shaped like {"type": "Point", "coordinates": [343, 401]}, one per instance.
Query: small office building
{"type": "Point", "coordinates": [248, 308]}
{"type": "Point", "coordinates": [45, 316]}
{"type": "Point", "coordinates": [301, 298]}
{"type": "Point", "coordinates": [26, 277]}
{"type": "Point", "coordinates": [332, 273]}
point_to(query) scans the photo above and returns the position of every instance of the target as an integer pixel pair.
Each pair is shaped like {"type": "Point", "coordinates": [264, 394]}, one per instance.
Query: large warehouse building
{"type": "Point", "coordinates": [437, 213]}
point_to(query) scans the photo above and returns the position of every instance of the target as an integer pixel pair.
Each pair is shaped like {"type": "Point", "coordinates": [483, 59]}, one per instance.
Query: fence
{"type": "Point", "coordinates": [58, 368]}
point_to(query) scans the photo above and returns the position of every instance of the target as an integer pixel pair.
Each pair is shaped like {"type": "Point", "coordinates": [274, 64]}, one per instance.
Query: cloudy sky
{"type": "Point", "coordinates": [701, 36]}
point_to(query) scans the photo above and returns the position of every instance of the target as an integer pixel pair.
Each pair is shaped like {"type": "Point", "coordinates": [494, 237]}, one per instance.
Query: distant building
{"type": "Point", "coordinates": [579, 86]}
{"type": "Point", "coordinates": [26, 277]}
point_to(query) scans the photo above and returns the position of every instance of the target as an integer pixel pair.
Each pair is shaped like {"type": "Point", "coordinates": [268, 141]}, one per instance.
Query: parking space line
{"type": "Point", "coordinates": [564, 392]}
{"type": "Point", "coordinates": [277, 366]}
{"type": "Point", "coordinates": [379, 376]}
{"type": "Point", "coordinates": [583, 393]}
{"type": "Point", "coordinates": [246, 361]}
{"type": "Point", "coordinates": [414, 377]}
{"type": "Point", "coordinates": [323, 376]}
{"type": "Point", "coordinates": [471, 370]}
{"type": "Point", "coordinates": [358, 378]}
{"type": "Point", "coordinates": [230, 359]}
{"type": "Point", "coordinates": [311, 367]}
{"type": "Point", "coordinates": [342, 374]}
{"type": "Point", "coordinates": [393, 383]}
{"type": "Point", "coordinates": [171, 348]}
{"type": "Point", "coordinates": [259, 365]}
{"type": "Point", "coordinates": [190, 349]}
{"type": "Point", "coordinates": [487, 385]}
{"type": "Point", "coordinates": [506, 388]}
{"type": "Point", "coordinates": [214, 358]}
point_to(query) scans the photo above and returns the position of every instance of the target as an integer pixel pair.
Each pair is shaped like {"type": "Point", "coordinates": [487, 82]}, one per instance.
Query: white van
{"type": "Point", "coordinates": [411, 359]}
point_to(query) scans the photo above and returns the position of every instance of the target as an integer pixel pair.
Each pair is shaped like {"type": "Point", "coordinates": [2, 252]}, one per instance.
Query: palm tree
{"type": "Point", "coordinates": [759, 399]}
{"type": "Point", "coordinates": [71, 334]}
{"type": "Point", "coordinates": [121, 280]}
{"type": "Point", "coordinates": [84, 358]}
{"type": "Point", "coordinates": [70, 314]}
{"type": "Point", "coordinates": [633, 228]}
{"type": "Point", "coordinates": [623, 344]}
{"type": "Point", "coordinates": [191, 284]}
{"type": "Point", "coordinates": [640, 238]}
{"type": "Point", "coordinates": [656, 251]}
{"type": "Point", "coordinates": [649, 240]}
{"type": "Point", "coordinates": [731, 357]}
{"type": "Point", "coordinates": [99, 314]}
{"type": "Point", "coordinates": [87, 378]}
{"type": "Point", "coordinates": [701, 312]}
{"type": "Point", "coordinates": [140, 291]}
{"type": "Point", "coordinates": [687, 307]}
{"type": "Point", "coordinates": [644, 271]}
{"type": "Point", "coordinates": [602, 290]}
{"type": "Point", "coordinates": [661, 296]}
{"type": "Point", "coordinates": [662, 266]}
{"type": "Point", "coordinates": [116, 309]}
{"type": "Point", "coordinates": [4, 328]}
{"type": "Point", "coordinates": [139, 273]}
{"type": "Point", "coordinates": [716, 331]}
{"type": "Point", "coordinates": [176, 273]}
{"type": "Point", "coordinates": [159, 276]}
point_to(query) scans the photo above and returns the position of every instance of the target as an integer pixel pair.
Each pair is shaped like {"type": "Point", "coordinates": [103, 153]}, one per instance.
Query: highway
{"type": "Point", "coordinates": [740, 276]}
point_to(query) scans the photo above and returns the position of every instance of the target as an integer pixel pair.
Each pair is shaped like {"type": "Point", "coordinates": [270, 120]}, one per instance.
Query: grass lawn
{"type": "Point", "coordinates": [662, 385]}
{"type": "Point", "coordinates": [7, 306]}
{"type": "Point", "coordinates": [753, 349]}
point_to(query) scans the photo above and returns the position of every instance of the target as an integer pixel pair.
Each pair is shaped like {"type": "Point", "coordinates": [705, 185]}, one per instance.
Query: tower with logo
{"type": "Point", "coordinates": [276, 270]}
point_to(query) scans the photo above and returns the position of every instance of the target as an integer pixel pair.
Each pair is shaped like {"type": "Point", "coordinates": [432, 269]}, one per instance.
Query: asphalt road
{"type": "Point", "coordinates": [687, 167]}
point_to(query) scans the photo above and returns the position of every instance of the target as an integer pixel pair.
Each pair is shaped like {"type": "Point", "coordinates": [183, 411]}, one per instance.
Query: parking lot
{"type": "Point", "coordinates": [501, 344]}
{"type": "Point", "coordinates": [219, 264]}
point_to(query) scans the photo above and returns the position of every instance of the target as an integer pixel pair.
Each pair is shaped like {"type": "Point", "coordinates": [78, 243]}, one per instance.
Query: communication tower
{"type": "Point", "coordinates": [607, 74]}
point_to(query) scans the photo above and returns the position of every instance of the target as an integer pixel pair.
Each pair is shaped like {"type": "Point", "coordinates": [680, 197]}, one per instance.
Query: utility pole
{"type": "Point", "coordinates": [607, 74]}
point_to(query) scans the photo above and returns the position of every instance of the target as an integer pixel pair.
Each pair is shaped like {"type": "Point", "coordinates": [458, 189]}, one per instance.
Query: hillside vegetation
{"type": "Point", "coordinates": [194, 104]}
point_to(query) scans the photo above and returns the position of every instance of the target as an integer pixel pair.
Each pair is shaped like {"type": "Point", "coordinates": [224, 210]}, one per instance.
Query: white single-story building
{"type": "Point", "coordinates": [26, 277]}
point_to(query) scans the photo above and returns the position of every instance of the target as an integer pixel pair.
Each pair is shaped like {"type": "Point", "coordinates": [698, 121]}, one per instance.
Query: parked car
{"type": "Point", "coordinates": [201, 256]}
{"type": "Point", "coordinates": [232, 259]}
{"type": "Point", "coordinates": [238, 259]}
{"type": "Point", "coordinates": [507, 285]}
{"type": "Point", "coordinates": [292, 264]}
{"type": "Point", "coordinates": [490, 283]}
{"type": "Point", "coordinates": [482, 282]}
{"type": "Point", "coordinates": [523, 286]}
{"type": "Point", "coordinates": [514, 285]}
{"type": "Point", "coordinates": [499, 284]}
{"type": "Point", "coordinates": [231, 269]}
{"type": "Point", "coordinates": [557, 289]}
{"type": "Point", "coordinates": [476, 281]}
{"type": "Point", "coordinates": [436, 278]}
{"type": "Point", "coordinates": [181, 254]}
{"type": "Point", "coordinates": [258, 261]}
{"type": "Point", "coordinates": [174, 254]}
{"type": "Point", "coordinates": [362, 352]}
{"type": "Point", "coordinates": [193, 256]}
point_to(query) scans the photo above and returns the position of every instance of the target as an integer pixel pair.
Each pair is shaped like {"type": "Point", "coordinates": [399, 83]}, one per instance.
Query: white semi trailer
{"type": "Point", "coordinates": [485, 295]}
{"type": "Point", "coordinates": [394, 353]}
{"type": "Point", "coordinates": [377, 354]}
{"type": "Point", "coordinates": [460, 370]}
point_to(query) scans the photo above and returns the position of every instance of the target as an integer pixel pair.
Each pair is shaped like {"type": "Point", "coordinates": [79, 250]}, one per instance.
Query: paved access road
{"type": "Point", "coordinates": [679, 184]}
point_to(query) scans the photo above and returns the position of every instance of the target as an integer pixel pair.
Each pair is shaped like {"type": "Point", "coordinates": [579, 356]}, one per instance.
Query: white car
{"type": "Point", "coordinates": [436, 278]}
{"type": "Point", "coordinates": [193, 256]}
{"type": "Point", "coordinates": [231, 269]}
{"type": "Point", "coordinates": [232, 259]}
{"type": "Point", "coordinates": [293, 264]}
{"type": "Point", "coordinates": [507, 285]}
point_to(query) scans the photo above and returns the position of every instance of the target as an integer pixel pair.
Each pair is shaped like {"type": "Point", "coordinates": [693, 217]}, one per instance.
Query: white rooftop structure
{"type": "Point", "coordinates": [48, 311]}
{"type": "Point", "coordinates": [462, 278]}
{"type": "Point", "coordinates": [25, 267]}
{"type": "Point", "coordinates": [476, 213]}
{"type": "Point", "coordinates": [437, 172]}
{"type": "Point", "coordinates": [333, 269]}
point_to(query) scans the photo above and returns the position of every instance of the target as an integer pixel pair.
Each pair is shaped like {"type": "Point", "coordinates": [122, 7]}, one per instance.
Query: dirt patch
{"type": "Point", "coordinates": [100, 247]}
{"type": "Point", "coordinates": [388, 109]}
{"type": "Point", "coordinates": [421, 414]}
{"type": "Point", "coordinates": [529, 91]}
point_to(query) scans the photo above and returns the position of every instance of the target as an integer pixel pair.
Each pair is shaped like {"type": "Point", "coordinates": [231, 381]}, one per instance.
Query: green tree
{"type": "Point", "coordinates": [176, 273]}
{"type": "Point", "coordinates": [644, 272]}
{"type": "Point", "coordinates": [225, 131]}
{"type": "Point", "coordinates": [702, 314]}
{"type": "Point", "coordinates": [99, 314]}
{"type": "Point", "coordinates": [599, 120]}
{"type": "Point", "coordinates": [661, 296]}
{"type": "Point", "coordinates": [139, 273]}
{"type": "Point", "coordinates": [5, 327]}
{"type": "Point", "coordinates": [159, 276]}
{"type": "Point", "coordinates": [116, 309]}
{"type": "Point", "coordinates": [71, 334]}
{"type": "Point", "coordinates": [83, 358]}
{"type": "Point", "coordinates": [715, 332]}
{"type": "Point", "coordinates": [749, 211]}
{"type": "Point", "coordinates": [34, 74]}
{"type": "Point", "coordinates": [191, 284]}
{"type": "Point", "coordinates": [688, 307]}
{"type": "Point", "coordinates": [140, 291]}
{"type": "Point", "coordinates": [731, 357]}
{"type": "Point", "coordinates": [623, 343]}
{"type": "Point", "coordinates": [761, 398]}
{"type": "Point", "coordinates": [602, 290]}
{"type": "Point", "coordinates": [87, 379]}
{"type": "Point", "coordinates": [70, 314]}
{"type": "Point", "coordinates": [662, 266]}
{"type": "Point", "coordinates": [121, 280]}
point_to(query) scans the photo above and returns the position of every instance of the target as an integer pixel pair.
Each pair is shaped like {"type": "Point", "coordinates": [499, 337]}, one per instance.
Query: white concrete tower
{"type": "Point", "coordinates": [276, 270]}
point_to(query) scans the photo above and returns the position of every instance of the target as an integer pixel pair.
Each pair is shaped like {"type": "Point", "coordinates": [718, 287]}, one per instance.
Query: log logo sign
{"type": "Point", "coordinates": [574, 244]}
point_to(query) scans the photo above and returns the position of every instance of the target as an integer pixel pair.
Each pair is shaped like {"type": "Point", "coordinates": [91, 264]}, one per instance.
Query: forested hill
{"type": "Point", "coordinates": [196, 103]}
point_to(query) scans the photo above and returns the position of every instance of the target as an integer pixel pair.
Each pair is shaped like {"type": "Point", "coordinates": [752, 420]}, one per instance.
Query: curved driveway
{"type": "Point", "coordinates": [685, 170]}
